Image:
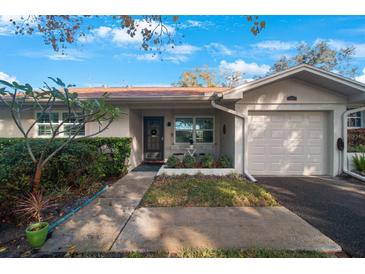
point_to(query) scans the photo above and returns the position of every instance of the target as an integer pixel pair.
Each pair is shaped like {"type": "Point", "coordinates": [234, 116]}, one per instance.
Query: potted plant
{"type": "Point", "coordinates": [32, 207]}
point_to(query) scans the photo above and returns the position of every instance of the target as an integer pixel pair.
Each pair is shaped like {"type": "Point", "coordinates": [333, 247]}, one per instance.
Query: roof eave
{"type": "Point", "coordinates": [237, 93]}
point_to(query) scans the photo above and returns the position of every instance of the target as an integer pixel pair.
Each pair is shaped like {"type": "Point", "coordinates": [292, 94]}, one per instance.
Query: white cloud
{"type": "Point", "coordinates": [102, 31]}
{"type": "Point", "coordinates": [184, 49]}
{"type": "Point", "coordinates": [7, 27]}
{"type": "Point", "coordinates": [6, 77]}
{"type": "Point", "coordinates": [361, 78]}
{"type": "Point", "coordinates": [69, 55]}
{"type": "Point", "coordinates": [339, 44]}
{"type": "Point", "coordinates": [196, 24]}
{"type": "Point", "coordinates": [63, 57]}
{"type": "Point", "coordinates": [147, 57]}
{"type": "Point", "coordinates": [175, 54]}
{"type": "Point", "coordinates": [87, 38]}
{"type": "Point", "coordinates": [218, 49]}
{"type": "Point", "coordinates": [276, 45]}
{"type": "Point", "coordinates": [243, 67]}
{"type": "Point", "coordinates": [120, 36]}
{"type": "Point", "coordinates": [98, 33]}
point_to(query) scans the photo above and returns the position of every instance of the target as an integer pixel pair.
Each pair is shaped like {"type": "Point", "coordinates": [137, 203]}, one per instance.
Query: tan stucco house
{"type": "Point", "coordinates": [288, 123]}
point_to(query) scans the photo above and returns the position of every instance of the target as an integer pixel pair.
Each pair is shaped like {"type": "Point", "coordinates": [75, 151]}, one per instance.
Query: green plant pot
{"type": "Point", "coordinates": [36, 238]}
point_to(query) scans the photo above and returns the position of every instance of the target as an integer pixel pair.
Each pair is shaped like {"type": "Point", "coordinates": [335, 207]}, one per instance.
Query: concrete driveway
{"type": "Point", "coordinates": [334, 206]}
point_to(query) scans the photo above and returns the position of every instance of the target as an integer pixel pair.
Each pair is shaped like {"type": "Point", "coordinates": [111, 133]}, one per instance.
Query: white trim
{"type": "Point", "coordinates": [230, 94]}
{"type": "Point", "coordinates": [164, 170]}
{"type": "Point", "coordinates": [194, 117]}
{"type": "Point", "coordinates": [60, 119]}
{"type": "Point", "coordinates": [344, 152]}
{"type": "Point", "coordinates": [358, 117]}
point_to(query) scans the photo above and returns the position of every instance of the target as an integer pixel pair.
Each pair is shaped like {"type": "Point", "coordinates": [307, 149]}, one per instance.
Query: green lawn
{"type": "Point", "coordinates": [205, 191]}
{"type": "Point", "coordinates": [211, 253]}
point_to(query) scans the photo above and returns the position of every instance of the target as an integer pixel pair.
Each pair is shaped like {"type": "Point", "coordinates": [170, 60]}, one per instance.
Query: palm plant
{"type": "Point", "coordinates": [359, 161]}
{"type": "Point", "coordinates": [33, 205]}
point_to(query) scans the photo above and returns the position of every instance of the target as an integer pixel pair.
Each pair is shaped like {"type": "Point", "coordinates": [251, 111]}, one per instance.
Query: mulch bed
{"type": "Point", "coordinates": [12, 236]}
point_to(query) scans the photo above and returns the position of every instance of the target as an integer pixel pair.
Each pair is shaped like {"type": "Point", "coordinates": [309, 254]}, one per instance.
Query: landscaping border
{"type": "Point", "coordinates": [164, 170]}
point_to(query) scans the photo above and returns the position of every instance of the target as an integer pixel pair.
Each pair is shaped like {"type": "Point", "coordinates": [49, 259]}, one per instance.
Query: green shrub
{"type": "Point", "coordinates": [172, 161]}
{"type": "Point", "coordinates": [224, 161]}
{"type": "Point", "coordinates": [117, 150]}
{"type": "Point", "coordinates": [359, 148]}
{"type": "Point", "coordinates": [355, 139]}
{"type": "Point", "coordinates": [189, 161]}
{"type": "Point", "coordinates": [79, 167]}
{"type": "Point", "coordinates": [359, 161]}
{"type": "Point", "coordinates": [208, 161]}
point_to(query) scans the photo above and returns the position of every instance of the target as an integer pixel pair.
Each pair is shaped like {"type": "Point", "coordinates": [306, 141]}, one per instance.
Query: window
{"type": "Point", "coordinates": [183, 130]}
{"type": "Point", "coordinates": [47, 122]}
{"type": "Point", "coordinates": [354, 120]}
{"type": "Point", "coordinates": [198, 129]}
{"type": "Point", "coordinates": [71, 124]}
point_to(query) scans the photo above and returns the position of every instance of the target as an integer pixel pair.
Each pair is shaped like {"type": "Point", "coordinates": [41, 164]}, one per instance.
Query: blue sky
{"type": "Point", "coordinates": [106, 56]}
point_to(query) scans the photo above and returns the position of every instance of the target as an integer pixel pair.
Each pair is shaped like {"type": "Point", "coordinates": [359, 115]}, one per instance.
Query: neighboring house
{"type": "Point", "coordinates": [294, 119]}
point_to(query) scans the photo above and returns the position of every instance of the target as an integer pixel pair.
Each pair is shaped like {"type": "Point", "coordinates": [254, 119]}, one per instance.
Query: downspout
{"type": "Point", "coordinates": [244, 118]}
{"type": "Point", "coordinates": [344, 152]}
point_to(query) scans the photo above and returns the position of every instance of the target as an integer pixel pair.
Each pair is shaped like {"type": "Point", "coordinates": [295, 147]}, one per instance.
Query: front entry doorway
{"type": "Point", "coordinates": [153, 138]}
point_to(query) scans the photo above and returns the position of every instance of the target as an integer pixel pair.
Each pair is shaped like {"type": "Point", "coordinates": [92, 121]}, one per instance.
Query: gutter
{"type": "Point", "coordinates": [344, 152]}
{"type": "Point", "coordinates": [244, 118]}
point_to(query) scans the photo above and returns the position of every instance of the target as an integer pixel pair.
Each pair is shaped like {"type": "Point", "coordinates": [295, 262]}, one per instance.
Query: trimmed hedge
{"type": "Point", "coordinates": [79, 167]}
{"type": "Point", "coordinates": [355, 139]}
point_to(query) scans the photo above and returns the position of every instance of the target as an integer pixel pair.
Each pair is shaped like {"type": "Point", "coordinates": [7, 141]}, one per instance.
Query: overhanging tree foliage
{"type": "Point", "coordinates": [59, 31]}
{"type": "Point", "coordinates": [19, 99]}
{"type": "Point", "coordinates": [320, 55]}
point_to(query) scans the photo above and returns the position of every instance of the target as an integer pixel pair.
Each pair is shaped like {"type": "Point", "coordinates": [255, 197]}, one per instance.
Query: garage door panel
{"type": "Point", "coordinates": [287, 143]}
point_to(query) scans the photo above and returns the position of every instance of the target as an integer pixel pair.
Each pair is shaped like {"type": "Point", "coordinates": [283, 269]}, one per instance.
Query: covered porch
{"type": "Point", "coordinates": [162, 130]}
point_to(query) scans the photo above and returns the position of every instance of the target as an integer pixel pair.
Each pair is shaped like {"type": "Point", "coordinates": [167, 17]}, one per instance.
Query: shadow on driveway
{"type": "Point", "coordinates": [334, 206]}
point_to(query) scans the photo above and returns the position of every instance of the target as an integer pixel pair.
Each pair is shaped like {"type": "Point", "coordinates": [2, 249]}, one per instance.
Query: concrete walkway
{"type": "Point", "coordinates": [171, 229]}
{"type": "Point", "coordinates": [96, 226]}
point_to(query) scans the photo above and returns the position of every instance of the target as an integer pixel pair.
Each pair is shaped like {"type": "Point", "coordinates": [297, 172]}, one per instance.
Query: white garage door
{"type": "Point", "coordinates": [287, 143]}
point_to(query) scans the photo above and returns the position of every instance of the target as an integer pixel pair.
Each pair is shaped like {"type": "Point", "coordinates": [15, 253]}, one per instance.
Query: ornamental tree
{"type": "Point", "coordinates": [19, 98]}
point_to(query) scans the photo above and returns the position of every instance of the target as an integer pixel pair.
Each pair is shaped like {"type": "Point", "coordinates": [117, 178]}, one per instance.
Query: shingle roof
{"type": "Point", "coordinates": [120, 92]}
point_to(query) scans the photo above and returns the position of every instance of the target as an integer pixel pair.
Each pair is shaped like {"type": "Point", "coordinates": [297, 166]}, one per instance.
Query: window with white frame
{"type": "Point", "coordinates": [198, 129]}
{"type": "Point", "coordinates": [48, 122]}
{"type": "Point", "coordinates": [354, 120]}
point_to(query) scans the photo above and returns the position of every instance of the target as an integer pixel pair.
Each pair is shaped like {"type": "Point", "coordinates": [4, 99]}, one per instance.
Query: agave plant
{"type": "Point", "coordinates": [33, 205]}
{"type": "Point", "coordinates": [359, 161]}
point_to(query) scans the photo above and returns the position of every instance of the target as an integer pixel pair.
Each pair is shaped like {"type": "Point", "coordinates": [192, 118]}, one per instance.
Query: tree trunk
{"type": "Point", "coordinates": [37, 178]}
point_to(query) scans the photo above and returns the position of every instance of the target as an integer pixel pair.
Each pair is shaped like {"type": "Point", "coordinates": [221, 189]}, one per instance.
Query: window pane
{"type": "Point", "coordinates": [72, 129]}
{"type": "Point", "coordinates": [204, 123]}
{"type": "Point", "coordinates": [354, 122]}
{"type": "Point", "coordinates": [356, 114]}
{"type": "Point", "coordinates": [183, 123]}
{"type": "Point", "coordinates": [45, 130]}
{"type": "Point", "coordinates": [47, 117]}
{"type": "Point", "coordinates": [71, 117]}
{"type": "Point", "coordinates": [184, 136]}
{"type": "Point", "coordinates": [204, 136]}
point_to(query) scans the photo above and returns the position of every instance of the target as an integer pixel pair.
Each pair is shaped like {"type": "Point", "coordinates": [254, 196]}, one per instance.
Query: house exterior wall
{"type": "Point", "coordinates": [8, 128]}
{"type": "Point", "coordinates": [169, 115]}
{"type": "Point", "coordinates": [273, 97]}
{"type": "Point", "coordinates": [227, 139]}
{"type": "Point", "coordinates": [136, 132]}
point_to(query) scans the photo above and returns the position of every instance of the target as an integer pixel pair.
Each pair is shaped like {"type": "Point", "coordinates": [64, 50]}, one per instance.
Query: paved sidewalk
{"type": "Point", "coordinates": [96, 226]}
{"type": "Point", "coordinates": [171, 229]}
